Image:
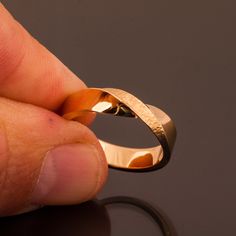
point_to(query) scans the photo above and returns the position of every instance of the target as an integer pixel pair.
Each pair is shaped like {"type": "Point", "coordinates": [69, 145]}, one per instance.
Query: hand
{"type": "Point", "coordinates": [44, 159]}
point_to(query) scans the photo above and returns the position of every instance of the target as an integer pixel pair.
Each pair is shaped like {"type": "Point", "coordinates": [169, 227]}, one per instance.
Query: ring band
{"type": "Point", "coordinates": [121, 103]}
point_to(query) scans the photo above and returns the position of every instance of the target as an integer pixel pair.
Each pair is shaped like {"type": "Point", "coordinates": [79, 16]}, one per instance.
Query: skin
{"type": "Point", "coordinates": [44, 159]}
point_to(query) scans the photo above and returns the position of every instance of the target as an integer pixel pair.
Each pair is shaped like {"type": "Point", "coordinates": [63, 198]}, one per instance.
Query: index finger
{"type": "Point", "coordinates": [28, 71]}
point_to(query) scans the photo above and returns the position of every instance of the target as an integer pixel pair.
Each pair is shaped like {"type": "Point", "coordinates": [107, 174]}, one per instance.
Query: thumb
{"type": "Point", "coordinates": [45, 160]}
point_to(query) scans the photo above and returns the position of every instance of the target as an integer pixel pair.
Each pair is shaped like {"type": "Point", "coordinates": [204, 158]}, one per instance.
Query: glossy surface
{"type": "Point", "coordinates": [121, 103]}
{"type": "Point", "coordinates": [178, 55]}
{"type": "Point", "coordinates": [79, 221]}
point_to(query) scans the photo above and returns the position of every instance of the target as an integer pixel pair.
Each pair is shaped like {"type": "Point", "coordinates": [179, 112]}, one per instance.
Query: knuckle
{"type": "Point", "coordinates": [15, 174]}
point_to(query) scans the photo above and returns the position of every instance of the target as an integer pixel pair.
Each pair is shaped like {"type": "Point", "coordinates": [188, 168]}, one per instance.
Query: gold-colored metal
{"type": "Point", "coordinates": [121, 103]}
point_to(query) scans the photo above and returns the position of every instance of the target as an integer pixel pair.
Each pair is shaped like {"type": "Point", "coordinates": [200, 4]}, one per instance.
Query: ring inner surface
{"type": "Point", "coordinates": [132, 158]}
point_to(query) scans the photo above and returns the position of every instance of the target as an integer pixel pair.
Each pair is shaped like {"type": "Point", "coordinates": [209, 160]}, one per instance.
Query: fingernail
{"type": "Point", "coordinates": [70, 174]}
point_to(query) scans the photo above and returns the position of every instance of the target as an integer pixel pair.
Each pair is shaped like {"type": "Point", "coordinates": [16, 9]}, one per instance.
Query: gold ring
{"type": "Point", "coordinates": [121, 103]}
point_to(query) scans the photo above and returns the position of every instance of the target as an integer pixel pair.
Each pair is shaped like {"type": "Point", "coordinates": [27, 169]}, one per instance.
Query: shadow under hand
{"type": "Point", "coordinates": [87, 219]}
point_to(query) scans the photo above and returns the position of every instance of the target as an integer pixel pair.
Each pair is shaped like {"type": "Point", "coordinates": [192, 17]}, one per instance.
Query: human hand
{"type": "Point", "coordinates": [44, 159]}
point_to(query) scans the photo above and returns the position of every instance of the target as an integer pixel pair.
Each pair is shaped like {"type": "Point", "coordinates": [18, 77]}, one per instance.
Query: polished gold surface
{"type": "Point", "coordinates": [121, 103]}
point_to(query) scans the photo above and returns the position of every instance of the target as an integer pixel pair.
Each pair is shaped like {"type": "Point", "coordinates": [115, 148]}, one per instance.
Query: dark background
{"type": "Point", "coordinates": [177, 55]}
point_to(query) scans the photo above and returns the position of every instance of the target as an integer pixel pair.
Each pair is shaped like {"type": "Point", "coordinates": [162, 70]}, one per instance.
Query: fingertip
{"type": "Point", "coordinates": [25, 65]}
{"type": "Point", "coordinates": [70, 174]}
